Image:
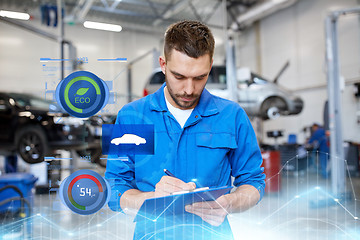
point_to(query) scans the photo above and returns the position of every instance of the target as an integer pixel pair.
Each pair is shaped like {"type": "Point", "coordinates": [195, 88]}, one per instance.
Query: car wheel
{"type": "Point", "coordinates": [273, 113]}
{"type": "Point", "coordinates": [272, 107]}
{"type": "Point", "coordinates": [31, 144]}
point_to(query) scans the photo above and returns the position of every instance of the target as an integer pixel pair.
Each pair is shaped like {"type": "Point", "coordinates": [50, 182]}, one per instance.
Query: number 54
{"type": "Point", "coordinates": [83, 191]}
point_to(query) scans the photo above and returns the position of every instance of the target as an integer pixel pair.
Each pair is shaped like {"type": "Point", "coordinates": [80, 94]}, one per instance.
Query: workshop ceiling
{"type": "Point", "coordinates": [137, 13]}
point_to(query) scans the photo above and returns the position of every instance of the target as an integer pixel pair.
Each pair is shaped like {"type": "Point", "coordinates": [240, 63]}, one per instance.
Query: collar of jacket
{"type": "Point", "coordinates": [205, 107]}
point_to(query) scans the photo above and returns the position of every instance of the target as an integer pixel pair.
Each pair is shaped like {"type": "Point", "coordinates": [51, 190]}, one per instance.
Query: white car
{"type": "Point", "coordinates": [129, 139]}
{"type": "Point", "coordinates": [258, 96]}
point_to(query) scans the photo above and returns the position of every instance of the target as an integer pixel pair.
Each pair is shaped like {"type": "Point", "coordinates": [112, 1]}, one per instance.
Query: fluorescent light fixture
{"type": "Point", "coordinates": [102, 26]}
{"type": "Point", "coordinates": [16, 15]}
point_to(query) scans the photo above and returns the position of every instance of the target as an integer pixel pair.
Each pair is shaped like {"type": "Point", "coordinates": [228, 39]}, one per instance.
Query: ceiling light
{"type": "Point", "coordinates": [16, 15]}
{"type": "Point", "coordinates": [102, 26]}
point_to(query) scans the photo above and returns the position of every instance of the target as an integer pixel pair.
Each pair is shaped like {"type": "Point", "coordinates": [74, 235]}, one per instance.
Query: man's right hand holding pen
{"type": "Point", "coordinates": [133, 198]}
{"type": "Point", "coordinates": [168, 185]}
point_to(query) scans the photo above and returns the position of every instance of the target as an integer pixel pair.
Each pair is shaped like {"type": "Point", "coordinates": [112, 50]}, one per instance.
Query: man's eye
{"type": "Point", "coordinates": [179, 77]}
{"type": "Point", "coordinates": [199, 78]}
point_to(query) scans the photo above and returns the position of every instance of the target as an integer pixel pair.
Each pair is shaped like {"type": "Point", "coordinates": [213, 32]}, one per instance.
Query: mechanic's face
{"type": "Point", "coordinates": [185, 78]}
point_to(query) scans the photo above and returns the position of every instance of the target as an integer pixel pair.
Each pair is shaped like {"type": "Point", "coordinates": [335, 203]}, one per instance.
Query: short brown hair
{"type": "Point", "coordinates": [190, 37]}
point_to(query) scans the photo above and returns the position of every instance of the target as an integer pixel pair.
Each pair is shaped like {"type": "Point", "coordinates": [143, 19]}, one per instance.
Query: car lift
{"type": "Point", "coordinates": [338, 179]}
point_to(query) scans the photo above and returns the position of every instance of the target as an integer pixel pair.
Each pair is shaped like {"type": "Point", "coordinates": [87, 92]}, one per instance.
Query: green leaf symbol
{"type": "Point", "coordinates": [81, 91]}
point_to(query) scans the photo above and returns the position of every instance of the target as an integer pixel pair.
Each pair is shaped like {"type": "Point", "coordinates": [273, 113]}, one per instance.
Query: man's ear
{"type": "Point", "coordinates": [162, 63]}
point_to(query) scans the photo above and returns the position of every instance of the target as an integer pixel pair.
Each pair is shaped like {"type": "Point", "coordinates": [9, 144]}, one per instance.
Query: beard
{"type": "Point", "coordinates": [177, 98]}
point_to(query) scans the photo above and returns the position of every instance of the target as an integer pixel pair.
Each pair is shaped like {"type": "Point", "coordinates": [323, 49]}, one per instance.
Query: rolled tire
{"type": "Point", "coordinates": [31, 144]}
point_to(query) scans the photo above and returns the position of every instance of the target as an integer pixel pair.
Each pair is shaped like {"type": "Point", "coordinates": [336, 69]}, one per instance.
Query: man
{"type": "Point", "coordinates": [202, 139]}
{"type": "Point", "coordinates": [319, 141]}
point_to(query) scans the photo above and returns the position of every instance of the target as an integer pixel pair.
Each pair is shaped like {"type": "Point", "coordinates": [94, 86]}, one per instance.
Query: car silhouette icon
{"type": "Point", "coordinates": [129, 139]}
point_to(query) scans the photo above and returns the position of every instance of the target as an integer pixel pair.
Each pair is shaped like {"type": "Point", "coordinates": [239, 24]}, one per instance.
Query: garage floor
{"type": "Point", "coordinates": [303, 209]}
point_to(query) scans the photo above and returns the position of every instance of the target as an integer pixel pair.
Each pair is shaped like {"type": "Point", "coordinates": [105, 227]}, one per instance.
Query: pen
{"type": "Point", "coordinates": [186, 191]}
{"type": "Point", "coordinates": [167, 172]}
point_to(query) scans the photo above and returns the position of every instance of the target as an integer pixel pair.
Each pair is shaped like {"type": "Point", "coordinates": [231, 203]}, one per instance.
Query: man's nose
{"type": "Point", "coordinates": [189, 87]}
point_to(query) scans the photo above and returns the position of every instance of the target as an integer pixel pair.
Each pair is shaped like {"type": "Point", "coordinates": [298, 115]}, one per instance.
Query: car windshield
{"type": "Point", "coordinates": [24, 100]}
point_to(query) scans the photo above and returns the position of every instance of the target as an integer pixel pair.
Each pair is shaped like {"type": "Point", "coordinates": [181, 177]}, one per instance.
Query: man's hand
{"type": "Point", "coordinates": [168, 185]}
{"type": "Point", "coordinates": [212, 212]}
{"type": "Point", "coordinates": [133, 198]}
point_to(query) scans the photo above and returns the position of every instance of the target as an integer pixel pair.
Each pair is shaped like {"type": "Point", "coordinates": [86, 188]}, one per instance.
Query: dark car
{"type": "Point", "coordinates": [34, 128]}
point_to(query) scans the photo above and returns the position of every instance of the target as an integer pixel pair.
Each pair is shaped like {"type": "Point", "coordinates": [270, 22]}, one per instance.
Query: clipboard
{"type": "Point", "coordinates": [153, 208]}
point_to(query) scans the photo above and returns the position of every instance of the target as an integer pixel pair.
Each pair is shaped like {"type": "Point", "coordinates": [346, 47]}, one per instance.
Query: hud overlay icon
{"type": "Point", "coordinates": [128, 139]}
{"type": "Point", "coordinates": [84, 192]}
{"type": "Point", "coordinates": [82, 94]}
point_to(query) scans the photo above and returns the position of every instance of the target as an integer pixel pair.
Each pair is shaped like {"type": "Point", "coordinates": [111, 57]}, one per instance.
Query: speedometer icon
{"type": "Point", "coordinates": [84, 192]}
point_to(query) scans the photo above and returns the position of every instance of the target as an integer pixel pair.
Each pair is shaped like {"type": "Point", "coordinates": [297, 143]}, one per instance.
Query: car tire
{"type": "Point", "coordinates": [272, 108]}
{"type": "Point", "coordinates": [31, 144]}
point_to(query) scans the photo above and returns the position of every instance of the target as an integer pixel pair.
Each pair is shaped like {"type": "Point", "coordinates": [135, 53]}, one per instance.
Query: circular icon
{"type": "Point", "coordinates": [84, 192]}
{"type": "Point", "coordinates": [82, 94]}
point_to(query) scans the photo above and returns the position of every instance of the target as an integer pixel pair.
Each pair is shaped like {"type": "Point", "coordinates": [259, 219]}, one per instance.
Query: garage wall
{"type": "Point", "coordinates": [297, 34]}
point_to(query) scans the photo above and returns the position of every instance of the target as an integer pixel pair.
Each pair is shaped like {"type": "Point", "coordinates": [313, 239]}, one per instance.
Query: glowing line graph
{"type": "Point", "coordinates": [301, 195]}
{"type": "Point", "coordinates": [317, 152]}
{"type": "Point", "coordinates": [52, 223]}
{"type": "Point", "coordinates": [279, 226]}
{"type": "Point", "coordinates": [91, 218]}
{"type": "Point", "coordinates": [201, 186]}
{"type": "Point", "coordinates": [307, 193]}
{"type": "Point", "coordinates": [34, 217]}
{"type": "Point", "coordinates": [338, 202]}
{"type": "Point", "coordinates": [278, 210]}
{"type": "Point", "coordinates": [351, 183]}
{"type": "Point", "coordinates": [72, 233]}
{"type": "Point", "coordinates": [38, 218]}
{"type": "Point", "coordinates": [154, 220]}
{"type": "Point", "coordinates": [107, 220]}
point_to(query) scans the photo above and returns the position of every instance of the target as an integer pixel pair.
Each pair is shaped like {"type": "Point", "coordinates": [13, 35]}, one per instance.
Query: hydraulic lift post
{"type": "Point", "coordinates": [334, 97]}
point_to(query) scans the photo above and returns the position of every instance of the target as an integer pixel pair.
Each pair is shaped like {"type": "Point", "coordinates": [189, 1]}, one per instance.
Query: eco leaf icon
{"type": "Point", "coordinates": [81, 91]}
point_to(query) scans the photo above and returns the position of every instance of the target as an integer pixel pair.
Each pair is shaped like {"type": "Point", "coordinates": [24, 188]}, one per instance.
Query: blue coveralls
{"type": "Point", "coordinates": [217, 142]}
{"type": "Point", "coordinates": [320, 141]}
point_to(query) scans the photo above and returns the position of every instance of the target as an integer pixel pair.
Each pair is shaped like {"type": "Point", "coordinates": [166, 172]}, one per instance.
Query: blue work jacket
{"type": "Point", "coordinates": [216, 142]}
{"type": "Point", "coordinates": [320, 141]}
